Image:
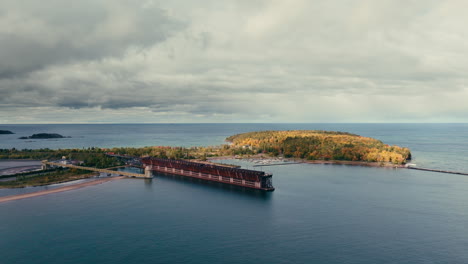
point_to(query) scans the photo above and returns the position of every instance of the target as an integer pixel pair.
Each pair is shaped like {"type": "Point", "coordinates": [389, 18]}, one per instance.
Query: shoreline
{"type": "Point", "coordinates": [57, 190]}
{"type": "Point", "coordinates": [10, 172]}
{"type": "Point", "coordinates": [73, 178]}
{"type": "Point", "coordinates": [331, 162]}
{"type": "Point", "coordinates": [355, 163]}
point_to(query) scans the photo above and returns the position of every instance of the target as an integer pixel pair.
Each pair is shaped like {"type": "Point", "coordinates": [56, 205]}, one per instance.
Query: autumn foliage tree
{"type": "Point", "coordinates": [322, 145]}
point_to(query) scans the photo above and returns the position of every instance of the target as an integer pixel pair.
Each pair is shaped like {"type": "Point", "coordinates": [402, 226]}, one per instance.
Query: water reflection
{"type": "Point", "coordinates": [217, 186]}
{"type": "Point", "coordinates": [131, 169]}
{"type": "Point", "coordinates": [201, 183]}
{"type": "Point", "coordinates": [148, 184]}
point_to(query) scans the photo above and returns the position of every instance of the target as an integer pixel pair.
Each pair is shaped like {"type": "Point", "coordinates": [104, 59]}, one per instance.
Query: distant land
{"type": "Point", "coordinates": [43, 136]}
{"type": "Point", "coordinates": [313, 146]}
{"type": "Point", "coordinates": [5, 132]}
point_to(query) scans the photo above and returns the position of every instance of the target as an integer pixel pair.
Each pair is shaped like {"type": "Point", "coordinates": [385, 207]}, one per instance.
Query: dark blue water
{"type": "Point", "coordinates": [317, 214]}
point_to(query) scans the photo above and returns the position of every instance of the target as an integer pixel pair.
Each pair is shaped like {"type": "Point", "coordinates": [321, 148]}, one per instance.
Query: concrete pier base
{"type": "Point", "coordinates": [149, 171]}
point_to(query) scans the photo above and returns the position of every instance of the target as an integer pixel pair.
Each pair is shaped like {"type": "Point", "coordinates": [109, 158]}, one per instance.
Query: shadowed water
{"type": "Point", "coordinates": [317, 214]}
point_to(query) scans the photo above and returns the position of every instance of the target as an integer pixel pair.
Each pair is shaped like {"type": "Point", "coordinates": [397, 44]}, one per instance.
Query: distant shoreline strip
{"type": "Point", "coordinates": [57, 190]}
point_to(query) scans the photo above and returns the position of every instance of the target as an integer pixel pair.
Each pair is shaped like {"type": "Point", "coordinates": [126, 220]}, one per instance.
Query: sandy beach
{"type": "Point", "coordinates": [57, 190]}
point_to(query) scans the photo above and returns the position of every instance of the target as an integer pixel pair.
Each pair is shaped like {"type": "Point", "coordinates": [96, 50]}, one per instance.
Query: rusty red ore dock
{"type": "Point", "coordinates": [241, 177]}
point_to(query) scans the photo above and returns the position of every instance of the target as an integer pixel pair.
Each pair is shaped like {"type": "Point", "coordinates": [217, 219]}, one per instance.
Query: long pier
{"type": "Point", "coordinates": [440, 171]}
{"type": "Point", "coordinates": [147, 174]}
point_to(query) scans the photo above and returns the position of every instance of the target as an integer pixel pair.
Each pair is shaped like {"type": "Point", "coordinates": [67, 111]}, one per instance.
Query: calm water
{"type": "Point", "coordinates": [317, 214]}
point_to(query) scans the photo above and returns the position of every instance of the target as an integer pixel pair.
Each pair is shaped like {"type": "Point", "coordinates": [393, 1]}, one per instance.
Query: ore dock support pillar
{"type": "Point", "coordinates": [44, 165]}
{"type": "Point", "coordinates": [149, 171]}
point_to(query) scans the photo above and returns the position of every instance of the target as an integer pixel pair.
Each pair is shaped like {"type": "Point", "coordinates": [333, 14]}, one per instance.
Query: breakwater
{"type": "Point", "coordinates": [440, 171]}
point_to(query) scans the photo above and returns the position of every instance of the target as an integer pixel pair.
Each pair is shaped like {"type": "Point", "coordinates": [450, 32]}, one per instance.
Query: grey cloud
{"type": "Point", "coordinates": [298, 60]}
{"type": "Point", "coordinates": [36, 34]}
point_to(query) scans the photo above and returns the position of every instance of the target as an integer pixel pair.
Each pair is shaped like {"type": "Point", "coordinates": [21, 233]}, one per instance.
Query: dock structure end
{"type": "Point", "coordinates": [149, 171]}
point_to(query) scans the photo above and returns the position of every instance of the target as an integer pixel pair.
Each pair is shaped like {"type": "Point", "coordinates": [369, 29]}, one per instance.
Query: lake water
{"type": "Point", "coordinates": [317, 214]}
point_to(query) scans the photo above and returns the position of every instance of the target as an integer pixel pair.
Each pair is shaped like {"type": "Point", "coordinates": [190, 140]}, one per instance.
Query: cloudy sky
{"type": "Point", "coordinates": [122, 61]}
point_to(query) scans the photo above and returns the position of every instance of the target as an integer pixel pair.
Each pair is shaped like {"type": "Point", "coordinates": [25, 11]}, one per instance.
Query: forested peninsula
{"type": "Point", "coordinates": [321, 145]}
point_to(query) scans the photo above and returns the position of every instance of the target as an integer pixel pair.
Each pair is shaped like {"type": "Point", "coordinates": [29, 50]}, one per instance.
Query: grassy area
{"type": "Point", "coordinates": [92, 157]}
{"type": "Point", "coordinates": [58, 176]}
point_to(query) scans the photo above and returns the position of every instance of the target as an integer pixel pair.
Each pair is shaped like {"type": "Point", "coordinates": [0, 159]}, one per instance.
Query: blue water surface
{"type": "Point", "coordinates": [317, 214]}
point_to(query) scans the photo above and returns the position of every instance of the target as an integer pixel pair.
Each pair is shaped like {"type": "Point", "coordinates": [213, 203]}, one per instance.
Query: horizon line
{"type": "Point", "coordinates": [201, 123]}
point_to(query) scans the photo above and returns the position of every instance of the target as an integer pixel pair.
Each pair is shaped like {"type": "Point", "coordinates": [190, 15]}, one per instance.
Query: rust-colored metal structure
{"type": "Point", "coordinates": [246, 178]}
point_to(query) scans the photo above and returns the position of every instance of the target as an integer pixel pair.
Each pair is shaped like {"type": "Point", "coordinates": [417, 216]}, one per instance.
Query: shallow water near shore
{"type": "Point", "coordinates": [317, 214]}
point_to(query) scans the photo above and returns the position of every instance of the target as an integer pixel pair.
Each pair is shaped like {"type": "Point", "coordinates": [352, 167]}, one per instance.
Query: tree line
{"type": "Point", "coordinates": [322, 145]}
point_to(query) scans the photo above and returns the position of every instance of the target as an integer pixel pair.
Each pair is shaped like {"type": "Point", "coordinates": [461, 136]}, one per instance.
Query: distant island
{"type": "Point", "coordinates": [43, 136]}
{"type": "Point", "coordinates": [5, 132]}
{"type": "Point", "coordinates": [319, 145]}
